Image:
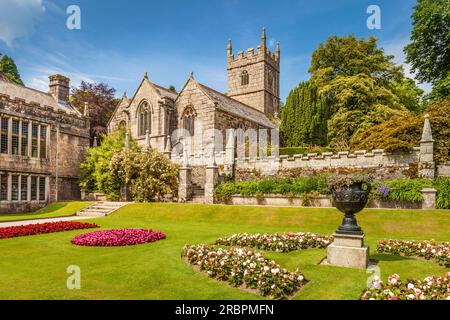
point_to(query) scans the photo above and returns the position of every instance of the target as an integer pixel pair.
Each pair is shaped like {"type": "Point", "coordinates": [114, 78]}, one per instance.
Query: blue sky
{"type": "Point", "coordinates": [119, 40]}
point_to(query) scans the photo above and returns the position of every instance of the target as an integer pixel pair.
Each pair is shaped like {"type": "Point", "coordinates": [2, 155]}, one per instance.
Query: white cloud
{"type": "Point", "coordinates": [18, 18]}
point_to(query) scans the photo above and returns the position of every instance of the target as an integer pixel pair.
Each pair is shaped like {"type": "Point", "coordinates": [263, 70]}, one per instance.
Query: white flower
{"type": "Point", "coordinates": [275, 271]}
{"type": "Point", "coordinates": [410, 286]}
{"type": "Point", "coordinates": [266, 268]}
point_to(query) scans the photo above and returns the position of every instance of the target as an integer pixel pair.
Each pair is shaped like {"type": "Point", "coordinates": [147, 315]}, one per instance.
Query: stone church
{"type": "Point", "coordinates": [252, 101]}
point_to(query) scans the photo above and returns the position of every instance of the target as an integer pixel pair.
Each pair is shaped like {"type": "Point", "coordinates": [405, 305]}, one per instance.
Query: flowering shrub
{"type": "Point", "coordinates": [431, 288]}
{"type": "Point", "coordinates": [244, 267]}
{"type": "Point", "coordinates": [430, 250]}
{"type": "Point", "coordinates": [117, 237]}
{"type": "Point", "coordinates": [339, 181]}
{"type": "Point", "coordinates": [50, 227]}
{"type": "Point", "coordinates": [280, 242]}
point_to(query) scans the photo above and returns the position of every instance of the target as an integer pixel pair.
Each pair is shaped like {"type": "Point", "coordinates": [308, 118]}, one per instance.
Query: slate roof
{"type": "Point", "coordinates": [164, 92]}
{"type": "Point", "coordinates": [236, 108]}
{"type": "Point", "coordinates": [32, 95]}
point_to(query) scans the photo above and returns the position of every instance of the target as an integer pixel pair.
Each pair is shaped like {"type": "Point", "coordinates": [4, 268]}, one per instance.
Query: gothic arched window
{"type": "Point", "coordinates": [122, 125]}
{"type": "Point", "coordinates": [144, 116]}
{"type": "Point", "coordinates": [189, 116]}
{"type": "Point", "coordinates": [245, 79]}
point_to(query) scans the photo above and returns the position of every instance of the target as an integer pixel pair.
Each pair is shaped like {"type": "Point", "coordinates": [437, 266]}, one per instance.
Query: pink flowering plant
{"type": "Point", "coordinates": [279, 242]}
{"type": "Point", "coordinates": [431, 288]}
{"type": "Point", "coordinates": [118, 237]}
{"type": "Point", "coordinates": [429, 250]}
{"type": "Point", "coordinates": [246, 268]}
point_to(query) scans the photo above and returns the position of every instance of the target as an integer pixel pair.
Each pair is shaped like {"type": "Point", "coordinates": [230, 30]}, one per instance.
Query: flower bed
{"type": "Point", "coordinates": [42, 228]}
{"type": "Point", "coordinates": [430, 250]}
{"type": "Point", "coordinates": [244, 267]}
{"type": "Point", "coordinates": [118, 237]}
{"type": "Point", "coordinates": [431, 288]}
{"type": "Point", "coordinates": [280, 242]}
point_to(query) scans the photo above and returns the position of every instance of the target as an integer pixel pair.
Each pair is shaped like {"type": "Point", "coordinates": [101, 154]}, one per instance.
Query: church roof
{"type": "Point", "coordinates": [237, 108]}
{"type": "Point", "coordinates": [32, 95]}
{"type": "Point", "coordinates": [164, 92]}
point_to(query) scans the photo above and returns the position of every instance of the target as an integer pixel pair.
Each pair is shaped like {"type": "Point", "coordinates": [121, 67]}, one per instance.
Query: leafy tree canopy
{"type": "Point", "coordinates": [403, 132]}
{"type": "Point", "coordinates": [150, 174]}
{"type": "Point", "coordinates": [96, 175]}
{"type": "Point", "coordinates": [101, 101]}
{"type": "Point", "coordinates": [362, 85]}
{"type": "Point", "coordinates": [9, 69]}
{"type": "Point", "coordinates": [304, 117]}
{"type": "Point", "coordinates": [429, 50]}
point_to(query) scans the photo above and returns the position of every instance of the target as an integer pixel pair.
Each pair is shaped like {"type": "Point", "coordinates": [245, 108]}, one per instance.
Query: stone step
{"type": "Point", "coordinates": [101, 209]}
{"type": "Point", "coordinates": [197, 200]}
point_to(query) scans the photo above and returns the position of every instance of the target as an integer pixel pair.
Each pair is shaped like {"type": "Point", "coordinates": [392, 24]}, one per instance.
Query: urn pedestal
{"type": "Point", "coordinates": [349, 251]}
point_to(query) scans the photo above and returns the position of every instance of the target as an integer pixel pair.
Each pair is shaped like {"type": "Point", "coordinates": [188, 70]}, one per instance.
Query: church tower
{"type": "Point", "coordinates": [254, 77]}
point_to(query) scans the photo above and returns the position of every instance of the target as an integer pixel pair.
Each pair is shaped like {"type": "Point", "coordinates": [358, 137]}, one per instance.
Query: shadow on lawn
{"type": "Point", "coordinates": [388, 257]}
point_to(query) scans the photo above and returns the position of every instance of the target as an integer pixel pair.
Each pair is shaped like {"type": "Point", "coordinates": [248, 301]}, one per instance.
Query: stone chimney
{"type": "Point", "coordinates": [59, 88]}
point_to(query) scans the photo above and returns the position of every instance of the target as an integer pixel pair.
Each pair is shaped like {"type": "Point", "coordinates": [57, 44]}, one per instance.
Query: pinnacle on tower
{"type": "Point", "coordinates": [277, 54]}
{"type": "Point", "coordinates": [263, 38]}
{"type": "Point", "coordinates": [229, 48]}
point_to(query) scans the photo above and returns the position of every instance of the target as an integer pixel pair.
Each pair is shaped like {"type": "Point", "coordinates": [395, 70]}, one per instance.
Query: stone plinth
{"type": "Point", "coordinates": [211, 180]}
{"type": "Point", "coordinates": [429, 198]}
{"type": "Point", "coordinates": [348, 251]}
{"type": "Point", "coordinates": [185, 184]}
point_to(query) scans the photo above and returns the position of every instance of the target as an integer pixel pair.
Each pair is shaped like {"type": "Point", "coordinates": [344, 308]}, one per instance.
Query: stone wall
{"type": "Point", "coordinates": [375, 159]}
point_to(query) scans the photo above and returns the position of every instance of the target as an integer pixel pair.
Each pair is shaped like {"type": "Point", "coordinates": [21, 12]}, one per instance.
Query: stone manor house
{"type": "Point", "coordinates": [42, 141]}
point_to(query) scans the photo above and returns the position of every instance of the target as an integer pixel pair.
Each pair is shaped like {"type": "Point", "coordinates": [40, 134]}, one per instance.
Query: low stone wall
{"type": "Point", "coordinates": [21, 207]}
{"type": "Point", "coordinates": [321, 201]}
{"type": "Point", "coordinates": [443, 170]}
{"type": "Point", "coordinates": [282, 201]}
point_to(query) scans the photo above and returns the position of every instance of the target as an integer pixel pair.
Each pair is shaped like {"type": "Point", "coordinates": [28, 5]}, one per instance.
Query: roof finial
{"type": "Point", "coordinates": [230, 48]}
{"type": "Point", "coordinates": [191, 75]}
{"type": "Point", "coordinates": [277, 54]}
{"type": "Point", "coordinates": [86, 109]}
{"type": "Point", "coordinates": [146, 75]}
{"type": "Point", "coordinates": [426, 134]}
{"type": "Point", "coordinates": [263, 38]}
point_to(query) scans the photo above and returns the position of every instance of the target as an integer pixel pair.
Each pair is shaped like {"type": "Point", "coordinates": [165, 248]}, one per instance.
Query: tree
{"type": "Point", "coordinates": [409, 94]}
{"type": "Point", "coordinates": [150, 174]}
{"type": "Point", "coordinates": [429, 50]}
{"type": "Point", "coordinates": [96, 175]}
{"type": "Point", "coordinates": [9, 69]}
{"type": "Point", "coordinates": [440, 91]}
{"type": "Point", "coordinates": [101, 101]}
{"type": "Point", "coordinates": [403, 132]}
{"type": "Point", "coordinates": [304, 117]}
{"type": "Point", "coordinates": [358, 81]}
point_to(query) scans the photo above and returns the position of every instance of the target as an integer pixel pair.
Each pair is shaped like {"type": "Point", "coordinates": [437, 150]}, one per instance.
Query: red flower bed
{"type": "Point", "coordinates": [117, 237]}
{"type": "Point", "coordinates": [49, 227]}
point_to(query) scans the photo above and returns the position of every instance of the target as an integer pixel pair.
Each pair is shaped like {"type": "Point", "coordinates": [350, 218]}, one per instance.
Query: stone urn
{"type": "Point", "coordinates": [350, 200]}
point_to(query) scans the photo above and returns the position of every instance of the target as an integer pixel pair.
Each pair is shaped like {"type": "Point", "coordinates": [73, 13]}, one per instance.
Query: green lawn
{"type": "Point", "coordinates": [35, 267]}
{"type": "Point", "coordinates": [59, 209]}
